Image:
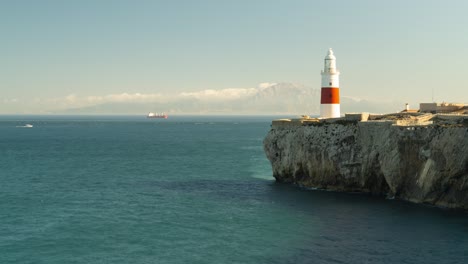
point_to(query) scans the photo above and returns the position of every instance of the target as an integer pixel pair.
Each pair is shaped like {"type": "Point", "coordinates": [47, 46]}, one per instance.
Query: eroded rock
{"type": "Point", "coordinates": [422, 164]}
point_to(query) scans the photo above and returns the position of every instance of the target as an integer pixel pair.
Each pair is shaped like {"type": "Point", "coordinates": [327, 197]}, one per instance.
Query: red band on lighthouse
{"type": "Point", "coordinates": [330, 95]}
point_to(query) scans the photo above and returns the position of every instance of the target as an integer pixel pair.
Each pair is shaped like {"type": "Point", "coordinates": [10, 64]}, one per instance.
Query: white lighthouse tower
{"type": "Point", "coordinates": [330, 100]}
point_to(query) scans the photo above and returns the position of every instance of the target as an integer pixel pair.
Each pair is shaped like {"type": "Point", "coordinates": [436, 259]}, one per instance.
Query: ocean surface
{"type": "Point", "coordinates": [190, 189]}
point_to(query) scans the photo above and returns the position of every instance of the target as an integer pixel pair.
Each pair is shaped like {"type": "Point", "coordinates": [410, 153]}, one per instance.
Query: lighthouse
{"type": "Point", "coordinates": [330, 100]}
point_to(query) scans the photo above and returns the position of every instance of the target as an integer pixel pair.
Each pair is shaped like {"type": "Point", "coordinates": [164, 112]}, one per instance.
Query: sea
{"type": "Point", "coordinates": [191, 189]}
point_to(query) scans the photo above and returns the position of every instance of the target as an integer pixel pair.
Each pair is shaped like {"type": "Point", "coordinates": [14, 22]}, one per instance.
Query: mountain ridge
{"type": "Point", "coordinates": [267, 98]}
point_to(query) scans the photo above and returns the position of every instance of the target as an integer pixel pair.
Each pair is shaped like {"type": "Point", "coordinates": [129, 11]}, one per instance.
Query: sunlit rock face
{"type": "Point", "coordinates": [427, 164]}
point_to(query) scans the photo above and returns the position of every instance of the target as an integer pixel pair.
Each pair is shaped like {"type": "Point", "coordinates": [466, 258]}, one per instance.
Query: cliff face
{"type": "Point", "coordinates": [426, 164]}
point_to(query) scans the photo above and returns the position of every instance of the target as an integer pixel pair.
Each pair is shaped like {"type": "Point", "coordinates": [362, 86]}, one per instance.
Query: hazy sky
{"type": "Point", "coordinates": [53, 52]}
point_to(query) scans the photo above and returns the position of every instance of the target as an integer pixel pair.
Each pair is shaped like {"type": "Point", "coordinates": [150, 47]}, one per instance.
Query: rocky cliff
{"type": "Point", "coordinates": [417, 163]}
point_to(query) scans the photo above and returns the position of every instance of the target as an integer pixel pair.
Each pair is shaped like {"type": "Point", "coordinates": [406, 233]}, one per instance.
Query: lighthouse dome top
{"type": "Point", "coordinates": [330, 55]}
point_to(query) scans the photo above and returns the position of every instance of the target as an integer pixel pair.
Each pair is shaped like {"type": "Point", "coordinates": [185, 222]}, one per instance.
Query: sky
{"type": "Point", "coordinates": [60, 53]}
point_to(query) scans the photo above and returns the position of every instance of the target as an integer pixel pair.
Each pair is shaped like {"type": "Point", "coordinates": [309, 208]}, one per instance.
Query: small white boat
{"type": "Point", "coordinates": [27, 125]}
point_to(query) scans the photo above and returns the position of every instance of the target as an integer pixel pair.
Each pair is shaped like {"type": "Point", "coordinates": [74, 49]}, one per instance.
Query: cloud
{"type": "Point", "coordinates": [208, 95]}
{"type": "Point", "coordinates": [352, 98]}
{"type": "Point", "coordinates": [264, 98]}
{"type": "Point", "coordinates": [72, 100]}
{"type": "Point", "coordinates": [10, 101]}
{"type": "Point", "coordinates": [125, 97]}
{"type": "Point", "coordinates": [265, 85]}
{"type": "Point", "coordinates": [223, 94]}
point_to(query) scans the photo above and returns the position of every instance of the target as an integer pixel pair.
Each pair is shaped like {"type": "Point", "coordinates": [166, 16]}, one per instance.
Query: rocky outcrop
{"type": "Point", "coordinates": [422, 164]}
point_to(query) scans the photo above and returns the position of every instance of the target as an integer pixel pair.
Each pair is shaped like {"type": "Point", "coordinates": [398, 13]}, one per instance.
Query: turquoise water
{"type": "Point", "coordinates": [190, 190]}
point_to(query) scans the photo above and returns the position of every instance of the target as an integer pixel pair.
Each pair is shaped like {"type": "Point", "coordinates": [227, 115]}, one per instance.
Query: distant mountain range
{"type": "Point", "coordinates": [270, 98]}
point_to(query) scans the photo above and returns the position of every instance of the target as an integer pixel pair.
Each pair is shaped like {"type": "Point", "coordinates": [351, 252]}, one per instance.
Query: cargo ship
{"type": "Point", "coordinates": [156, 115]}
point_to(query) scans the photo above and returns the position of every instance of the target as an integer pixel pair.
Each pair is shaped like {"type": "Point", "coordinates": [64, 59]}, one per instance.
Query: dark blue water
{"type": "Point", "coordinates": [190, 190]}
